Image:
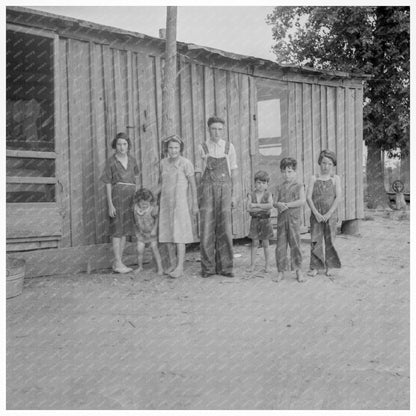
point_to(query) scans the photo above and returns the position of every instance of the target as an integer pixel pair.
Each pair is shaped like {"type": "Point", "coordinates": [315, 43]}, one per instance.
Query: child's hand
{"type": "Point", "coordinates": [281, 206]}
{"type": "Point", "coordinates": [319, 217]}
{"type": "Point", "coordinates": [326, 217]}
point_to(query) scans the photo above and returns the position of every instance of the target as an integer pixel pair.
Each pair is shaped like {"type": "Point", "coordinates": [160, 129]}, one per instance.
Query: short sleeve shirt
{"type": "Point", "coordinates": [216, 150]}
{"type": "Point", "coordinates": [115, 172]}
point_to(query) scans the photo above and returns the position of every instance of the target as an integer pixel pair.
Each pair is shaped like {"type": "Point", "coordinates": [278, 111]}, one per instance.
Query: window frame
{"type": "Point", "coordinates": [20, 154]}
{"type": "Point", "coordinates": [28, 215]}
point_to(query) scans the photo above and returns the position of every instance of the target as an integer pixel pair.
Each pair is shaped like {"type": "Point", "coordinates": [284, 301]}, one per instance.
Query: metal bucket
{"type": "Point", "coordinates": [15, 277]}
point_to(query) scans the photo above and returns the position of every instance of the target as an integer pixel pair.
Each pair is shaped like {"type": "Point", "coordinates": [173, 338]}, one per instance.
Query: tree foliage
{"type": "Point", "coordinates": [371, 40]}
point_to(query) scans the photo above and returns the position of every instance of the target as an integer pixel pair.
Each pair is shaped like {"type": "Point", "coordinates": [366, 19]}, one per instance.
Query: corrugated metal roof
{"type": "Point", "coordinates": [184, 48]}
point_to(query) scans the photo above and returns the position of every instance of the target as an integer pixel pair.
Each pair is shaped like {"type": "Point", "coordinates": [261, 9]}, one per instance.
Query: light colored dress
{"type": "Point", "coordinates": [175, 223]}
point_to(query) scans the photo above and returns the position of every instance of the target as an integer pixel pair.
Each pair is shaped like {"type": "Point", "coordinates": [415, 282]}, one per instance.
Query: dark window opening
{"type": "Point", "coordinates": [30, 131]}
{"type": "Point", "coordinates": [30, 167]}
{"type": "Point", "coordinates": [30, 98]}
{"type": "Point", "coordinates": [30, 192]}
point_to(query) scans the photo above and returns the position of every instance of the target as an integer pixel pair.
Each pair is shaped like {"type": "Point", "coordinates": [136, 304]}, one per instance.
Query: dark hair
{"type": "Point", "coordinates": [144, 194]}
{"type": "Point", "coordinates": [288, 162]}
{"type": "Point", "coordinates": [173, 138]}
{"type": "Point", "coordinates": [215, 119]}
{"type": "Point", "coordinates": [121, 135]}
{"type": "Point", "coordinates": [262, 176]}
{"type": "Point", "coordinates": [328, 154]}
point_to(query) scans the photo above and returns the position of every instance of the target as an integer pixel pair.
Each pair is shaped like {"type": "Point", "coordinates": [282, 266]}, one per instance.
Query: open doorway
{"type": "Point", "coordinates": [272, 127]}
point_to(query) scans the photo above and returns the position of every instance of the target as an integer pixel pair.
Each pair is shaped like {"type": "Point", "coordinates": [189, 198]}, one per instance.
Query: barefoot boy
{"type": "Point", "coordinates": [290, 197]}
{"type": "Point", "coordinates": [146, 221]}
{"type": "Point", "coordinates": [259, 205]}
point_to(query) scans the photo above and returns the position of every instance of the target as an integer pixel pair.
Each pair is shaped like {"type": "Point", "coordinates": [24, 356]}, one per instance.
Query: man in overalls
{"type": "Point", "coordinates": [218, 165]}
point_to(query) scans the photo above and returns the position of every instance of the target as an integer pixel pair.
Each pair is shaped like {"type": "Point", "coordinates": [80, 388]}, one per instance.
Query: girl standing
{"type": "Point", "coordinates": [324, 193]}
{"type": "Point", "coordinates": [120, 178]}
{"type": "Point", "coordinates": [175, 223]}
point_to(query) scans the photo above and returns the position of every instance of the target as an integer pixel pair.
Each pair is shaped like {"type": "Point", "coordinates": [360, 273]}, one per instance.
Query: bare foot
{"type": "Point", "coordinates": [169, 270]}
{"type": "Point", "coordinates": [121, 268]}
{"type": "Point", "coordinates": [251, 268]}
{"type": "Point", "coordinates": [138, 270]}
{"type": "Point", "coordinates": [160, 272]}
{"type": "Point", "coordinates": [278, 278]}
{"type": "Point", "coordinates": [312, 273]}
{"type": "Point", "coordinates": [299, 276]}
{"type": "Point", "coordinates": [267, 269]}
{"type": "Point", "coordinates": [176, 273]}
{"type": "Point", "coordinates": [329, 273]}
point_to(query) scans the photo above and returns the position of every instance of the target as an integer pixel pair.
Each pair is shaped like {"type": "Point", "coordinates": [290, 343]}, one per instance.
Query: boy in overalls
{"type": "Point", "coordinates": [219, 167]}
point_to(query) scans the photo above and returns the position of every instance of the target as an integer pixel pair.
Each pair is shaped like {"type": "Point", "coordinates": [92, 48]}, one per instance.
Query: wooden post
{"type": "Point", "coordinates": [169, 74]}
{"type": "Point", "coordinates": [168, 92]}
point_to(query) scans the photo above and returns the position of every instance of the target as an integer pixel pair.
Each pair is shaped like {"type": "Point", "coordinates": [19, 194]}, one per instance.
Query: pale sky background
{"type": "Point", "coordinates": [239, 29]}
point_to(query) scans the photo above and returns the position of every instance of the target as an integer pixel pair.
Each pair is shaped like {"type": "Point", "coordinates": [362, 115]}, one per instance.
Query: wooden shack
{"type": "Point", "coordinates": [72, 85]}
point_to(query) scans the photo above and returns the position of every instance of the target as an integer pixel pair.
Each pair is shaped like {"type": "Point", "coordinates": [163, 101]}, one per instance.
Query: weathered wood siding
{"type": "Point", "coordinates": [105, 90]}
{"type": "Point", "coordinates": [108, 80]}
{"type": "Point", "coordinates": [324, 116]}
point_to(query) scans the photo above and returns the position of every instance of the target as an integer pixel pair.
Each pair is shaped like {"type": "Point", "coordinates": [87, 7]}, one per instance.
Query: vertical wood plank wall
{"type": "Point", "coordinates": [105, 90]}
{"type": "Point", "coordinates": [329, 117]}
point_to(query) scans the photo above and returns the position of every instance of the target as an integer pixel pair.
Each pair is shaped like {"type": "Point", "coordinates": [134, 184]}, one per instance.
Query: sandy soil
{"type": "Point", "coordinates": [105, 341]}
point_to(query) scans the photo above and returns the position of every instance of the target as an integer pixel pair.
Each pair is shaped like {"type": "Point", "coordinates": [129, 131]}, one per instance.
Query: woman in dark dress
{"type": "Point", "coordinates": [120, 178]}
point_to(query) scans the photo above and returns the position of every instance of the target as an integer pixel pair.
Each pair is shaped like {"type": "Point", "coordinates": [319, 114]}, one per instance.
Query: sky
{"type": "Point", "coordinates": [238, 29]}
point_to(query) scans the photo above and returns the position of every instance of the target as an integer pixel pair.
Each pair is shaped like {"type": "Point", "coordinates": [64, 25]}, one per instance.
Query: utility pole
{"type": "Point", "coordinates": [169, 74]}
{"type": "Point", "coordinates": [168, 91]}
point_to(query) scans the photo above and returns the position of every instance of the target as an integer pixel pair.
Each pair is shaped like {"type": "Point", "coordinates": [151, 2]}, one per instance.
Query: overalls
{"type": "Point", "coordinates": [323, 196]}
{"type": "Point", "coordinates": [288, 230]}
{"type": "Point", "coordinates": [215, 214]}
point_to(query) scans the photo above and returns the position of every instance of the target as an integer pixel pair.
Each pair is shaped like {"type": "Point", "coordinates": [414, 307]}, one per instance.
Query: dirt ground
{"type": "Point", "coordinates": [106, 341]}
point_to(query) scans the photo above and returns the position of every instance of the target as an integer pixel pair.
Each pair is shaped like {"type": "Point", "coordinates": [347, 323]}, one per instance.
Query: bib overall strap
{"type": "Point", "coordinates": [205, 148]}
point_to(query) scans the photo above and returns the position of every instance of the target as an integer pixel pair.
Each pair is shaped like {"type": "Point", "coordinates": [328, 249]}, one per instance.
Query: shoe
{"type": "Point", "coordinates": [227, 274]}
{"type": "Point", "coordinates": [207, 274]}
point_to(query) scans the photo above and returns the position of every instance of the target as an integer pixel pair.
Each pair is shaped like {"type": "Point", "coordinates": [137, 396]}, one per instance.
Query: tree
{"type": "Point", "coordinates": [372, 40]}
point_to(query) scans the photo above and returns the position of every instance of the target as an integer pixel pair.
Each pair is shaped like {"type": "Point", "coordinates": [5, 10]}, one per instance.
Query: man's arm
{"type": "Point", "coordinates": [234, 179]}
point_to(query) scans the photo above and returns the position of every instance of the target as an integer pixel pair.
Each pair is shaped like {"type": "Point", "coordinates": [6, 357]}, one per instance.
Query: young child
{"type": "Point", "coordinates": [260, 203]}
{"type": "Point", "coordinates": [290, 197]}
{"type": "Point", "coordinates": [324, 193]}
{"type": "Point", "coordinates": [145, 219]}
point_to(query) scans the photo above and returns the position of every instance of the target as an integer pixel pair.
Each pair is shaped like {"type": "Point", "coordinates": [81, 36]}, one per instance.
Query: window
{"type": "Point", "coordinates": [269, 118]}
{"type": "Point", "coordinates": [269, 127]}
{"type": "Point", "coordinates": [30, 131]}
